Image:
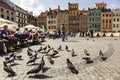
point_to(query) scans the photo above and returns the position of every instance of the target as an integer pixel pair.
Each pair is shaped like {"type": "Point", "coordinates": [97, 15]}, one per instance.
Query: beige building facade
{"type": "Point", "coordinates": [63, 18]}
{"type": "Point", "coordinates": [116, 20]}
{"type": "Point", "coordinates": [42, 19]}
{"type": "Point", "coordinates": [73, 9]}
{"type": "Point", "coordinates": [52, 20]}
{"type": "Point", "coordinates": [21, 16]}
{"type": "Point", "coordinates": [83, 21]}
{"type": "Point", "coordinates": [107, 16]}
{"type": "Point", "coordinates": [7, 12]}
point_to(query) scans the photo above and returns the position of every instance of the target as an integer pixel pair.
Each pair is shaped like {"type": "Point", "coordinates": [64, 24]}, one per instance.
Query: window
{"type": "Point", "coordinates": [114, 19]}
{"type": "Point", "coordinates": [103, 21]}
{"type": "Point", "coordinates": [117, 19]}
{"type": "Point", "coordinates": [106, 15]}
{"type": "Point", "coordinates": [51, 16]}
{"type": "Point", "coordinates": [117, 25]}
{"type": "Point", "coordinates": [90, 19]}
{"type": "Point", "coordinates": [103, 14]}
{"type": "Point", "coordinates": [2, 16]}
{"type": "Point", "coordinates": [109, 21]}
{"type": "Point", "coordinates": [54, 27]}
{"type": "Point", "coordinates": [7, 11]}
{"type": "Point", "coordinates": [8, 17]}
{"type": "Point", "coordinates": [89, 14]}
{"type": "Point", "coordinates": [48, 27]}
{"type": "Point", "coordinates": [12, 19]}
{"type": "Point", "coordinates": [1, 9]}
{"type": "Point", "coordinates": [106, 21]}
{"type": "Point", "coordinates": [48, 22]}
{"type": "Point", "coordinates": [114, 26]}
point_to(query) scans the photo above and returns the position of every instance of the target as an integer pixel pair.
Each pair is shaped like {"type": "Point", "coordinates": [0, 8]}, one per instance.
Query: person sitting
{"type": "Point", "coordinates": [11, 41]}
{"type": "Point", "coordinates": [26, 31]}
{"type": "Point", "coordinates": [3, 48]}
{"type": "Point", "coordinates": [18, 32]}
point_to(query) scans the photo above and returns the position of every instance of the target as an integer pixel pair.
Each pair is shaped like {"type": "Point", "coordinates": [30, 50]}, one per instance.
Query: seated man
{"type": "Point", "coordinates": [6, 34]}
{"type": "Point", "coordinates": [18, 32]}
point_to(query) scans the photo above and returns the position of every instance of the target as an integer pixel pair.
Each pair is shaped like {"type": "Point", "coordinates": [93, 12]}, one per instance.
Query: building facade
{"type": "Point", "coordinates": [63, 18]}
{"type": "Point", "coordinates": [116, 20]}
{"type": "Point", "coordinates": [94, 19]}
{"type": "Point", "coordinates": [21, 16]}
{"type": "Point", "coordinates": [83, 21]}
{"type": "Point", "coordinates": [52, 20]}
{"type": "Point", "coordinates": [42, 19]}
{"type": "Point", "coordinates": [107, 16]}
{"type": "Point", "coordinates": [6, 11]}
{"type": "Point", "coordinates": [31, 19]}
{"type": "Point", "coordinates": [73, 9]}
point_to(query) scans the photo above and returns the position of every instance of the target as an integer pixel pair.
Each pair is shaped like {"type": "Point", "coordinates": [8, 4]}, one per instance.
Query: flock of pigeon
{"type": "Point", "coordinates": [45, 51]}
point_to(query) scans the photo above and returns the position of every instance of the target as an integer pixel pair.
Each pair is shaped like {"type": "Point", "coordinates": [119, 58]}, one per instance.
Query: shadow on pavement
{"type": "Point", "coordinates": [40, 76]}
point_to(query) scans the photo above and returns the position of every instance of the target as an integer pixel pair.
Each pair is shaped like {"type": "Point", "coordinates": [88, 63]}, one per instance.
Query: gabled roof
{"type": "Point", "coordinates": [6, 6]}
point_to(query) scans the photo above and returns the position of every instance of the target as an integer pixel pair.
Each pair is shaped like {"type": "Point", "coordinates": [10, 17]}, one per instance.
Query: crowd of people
{"type": "Point", "coordinates": [9, 41]}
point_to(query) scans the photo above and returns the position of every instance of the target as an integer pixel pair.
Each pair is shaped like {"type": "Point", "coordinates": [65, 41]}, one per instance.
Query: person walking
{"type": "Point", "coordinates": [63, 32]}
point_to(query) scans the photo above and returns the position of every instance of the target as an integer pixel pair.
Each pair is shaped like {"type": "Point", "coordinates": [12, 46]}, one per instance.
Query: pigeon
{"type": "Point", "coordinates": [55, 51]}
{"type": "Point", "coordinates": [32, 60]}
{"type": "Point", "coordinates": [42, 63]}
{"type": "Point", "coordinates": [72, 52]}
{"type": "Point", "coordinates": [29, 49]}
{"type": "Point", "coordinates": [39, 68]}
{"type": "Point", "coordinates": [50, 59]}
{"type": "Point", "coordinates": [18, 57]}
{"type": "Point", "coordinates": [29, 53]}
{"type": "Point", "coordinates": [8, 69]}
{"type": "Point", "coordinates": [54, 54]}
{"type": "Point", "coordinates": [49, 47]}
{"type": "Point", "coordinates": [11, 60]}
{"type": "Point", "coordinates": [102, 56]}
{"type": "Point", "coordinates": [34, 55]}
{"type": "Point", "coordinates": [45, 48]}
{"type": "Point", "coordinates": [66, 48]}
{"type": "Point", "coordinates": [88, 60]}
{"type": "Point", "coordinates": [71, 67]}
{"type": "Point", "coordinates": [46, 52]}
{"type": "Point", "coordinates": [34, 70]}
{"type": "Point", "coordinates": [86, 52]}
{"type": "Point", "coordinates": [39, 49]}
{"type": "Point", "coordinates": [11, 55]}
{"type": "Point", "coordinates": [59, 48]}
{"type": "Point", "coordinates": [7, 58]}
{"type": "Point", "coordinates": [101, 53]}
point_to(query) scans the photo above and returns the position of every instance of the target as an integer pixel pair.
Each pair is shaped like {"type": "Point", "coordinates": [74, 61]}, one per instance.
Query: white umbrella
{"type": "Point", "coordinates": [11, 25]}
{"type": "Point", "coordinates": [31, 27]}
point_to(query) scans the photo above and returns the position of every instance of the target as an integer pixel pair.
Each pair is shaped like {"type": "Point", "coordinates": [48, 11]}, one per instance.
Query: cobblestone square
{"type": "Point", "coordinates": [98, 70]}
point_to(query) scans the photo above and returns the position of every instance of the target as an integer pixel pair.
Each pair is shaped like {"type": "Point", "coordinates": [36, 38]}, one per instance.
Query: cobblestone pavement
{"type": "Point", "coordinates": [99, 70]}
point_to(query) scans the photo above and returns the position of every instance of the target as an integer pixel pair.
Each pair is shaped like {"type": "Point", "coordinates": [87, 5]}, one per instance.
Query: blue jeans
{"type": "Point", "coordinates": [63, 36]}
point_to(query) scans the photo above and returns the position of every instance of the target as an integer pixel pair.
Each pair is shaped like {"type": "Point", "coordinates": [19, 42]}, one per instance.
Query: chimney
{"type": "Point", "coordinates": [49, 9]}
{"type": "Point", "coordinates": [58, 7]}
